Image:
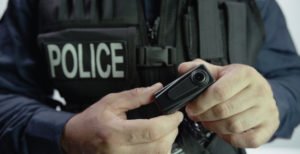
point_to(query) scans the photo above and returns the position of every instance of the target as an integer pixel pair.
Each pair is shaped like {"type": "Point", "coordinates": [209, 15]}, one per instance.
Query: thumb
{"type": "Point", "coordinates": [187, 66]}
{"type": "Point", "coordinates": [137, 97]}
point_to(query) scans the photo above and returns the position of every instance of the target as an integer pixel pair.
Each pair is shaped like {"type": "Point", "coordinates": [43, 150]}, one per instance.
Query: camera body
{"type": "Point", "coordinates": [175, 95]}
{"type": "Point", "coordinates": [181, 91]}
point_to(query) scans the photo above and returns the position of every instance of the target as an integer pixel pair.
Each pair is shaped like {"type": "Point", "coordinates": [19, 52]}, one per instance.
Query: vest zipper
{"type": "Point", "coordinates": [152, 31]}
{"type": "Point", "coordinates": [142, 23]}
{"type": "Point", "coordinates": [162, 23]}
{"type": "Point", "coordinates": [149, 33]}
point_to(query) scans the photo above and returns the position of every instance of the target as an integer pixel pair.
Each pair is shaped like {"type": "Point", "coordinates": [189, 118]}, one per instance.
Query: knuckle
{"type": "Point", "coordinates": [263, 90]}
{"type": "Point", "coordinates": [136, 92]}
{"type": "Point", "coordinates": [198, 107]}
{"type": "Point", "coordinates": [163, 148]}
{"type": "Point", "coordinates": [197, 60]}
{"type": "Point", "coordinates": [108, 100]}
{"type": "Point", "coordinates": [248, 70]}
{"type": "Point", "coordinates": [274, 109]}
{"type": "Point", "coordinates": [234, 126]}
{"type": "Point", "coordinates": [105, 137]}
{"type": "Point", "coordinates": [109, 96]}
{"type": "Point", "coordinates": [219, 93]}
{"type": "Point", "coordinates": [133, 136]}
{"type": "Point", "coordinates": [221, 111]}
{"type": "Point", "coordinates": [151, 134]}
{"type": "Point", "coordinates": [253, 141]}
{"type": "Point", "coordinates": [232, 140]}
{"type": "Point", "coordinates": [276, 116]}
{"type": "Point", "coordinates": [259, 92]}
{"type": "Point", "coordinates": [165, 145]}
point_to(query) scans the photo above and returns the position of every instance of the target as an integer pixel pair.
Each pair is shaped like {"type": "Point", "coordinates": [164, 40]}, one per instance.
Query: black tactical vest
{"type": "Point", "coordinates": [96, 47]}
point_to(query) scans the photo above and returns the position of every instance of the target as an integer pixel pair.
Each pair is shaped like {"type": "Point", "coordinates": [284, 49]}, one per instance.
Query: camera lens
{"type": "Point", "coordinates": [199, 77]}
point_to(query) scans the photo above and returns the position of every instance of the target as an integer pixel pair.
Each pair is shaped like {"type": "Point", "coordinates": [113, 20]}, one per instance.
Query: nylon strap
{"type": "Point", "coordinates": [211, 42]}
{"type": "Point", "coordinates": [63, 10]}
{"type": "Point", "coordinates": [78, 9]}
{"type": "Point", "coordinates": [237, 31]}
{"type": "Point", "coordinates": [107, 12]}
{"type": "Point", "coordinates": [94, 11]}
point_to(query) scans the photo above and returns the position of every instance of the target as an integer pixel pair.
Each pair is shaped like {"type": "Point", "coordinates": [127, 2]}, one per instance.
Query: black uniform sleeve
{"type": "Point", "coordinates": [27, 124]}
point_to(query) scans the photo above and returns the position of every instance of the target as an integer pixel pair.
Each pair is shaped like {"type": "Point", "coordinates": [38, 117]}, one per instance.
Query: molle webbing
{"type": "Point", "coordinates": [64, 14]}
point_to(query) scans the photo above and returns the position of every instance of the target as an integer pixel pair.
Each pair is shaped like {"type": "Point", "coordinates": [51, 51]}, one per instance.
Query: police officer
{"type": "Point", "coordinates": [44, 46]}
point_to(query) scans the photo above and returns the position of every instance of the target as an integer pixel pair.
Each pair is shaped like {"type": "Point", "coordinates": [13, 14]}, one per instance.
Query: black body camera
{"type": "Point", "coordinates": [176, 94]}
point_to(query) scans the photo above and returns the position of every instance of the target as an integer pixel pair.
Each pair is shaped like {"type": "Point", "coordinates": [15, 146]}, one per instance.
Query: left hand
{"type": "Point", "coordinates": [239, 107]}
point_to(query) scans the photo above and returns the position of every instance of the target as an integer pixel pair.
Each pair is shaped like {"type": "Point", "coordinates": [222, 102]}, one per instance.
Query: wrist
{"type": "Point", "coordinates": [64, 143]}
{"type": "Point", "coordinates": [67, 137]}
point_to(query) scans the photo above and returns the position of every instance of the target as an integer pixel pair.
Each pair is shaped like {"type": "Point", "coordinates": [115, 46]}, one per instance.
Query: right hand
{"type": "Point", "coordinates": [104, 128]}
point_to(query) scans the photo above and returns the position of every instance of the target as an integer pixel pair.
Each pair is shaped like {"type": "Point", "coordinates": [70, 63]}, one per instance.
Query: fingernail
{"type": "Point", "coordinates": [180, 116]}
{"type": "Point", "coordinates": [184, 67]}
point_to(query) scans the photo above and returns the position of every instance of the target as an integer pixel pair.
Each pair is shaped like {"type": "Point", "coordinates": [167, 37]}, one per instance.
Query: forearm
{"type": "Point", "coordinates": [286, 92]}
{"type": "Point", "coordinates": [29, 127]}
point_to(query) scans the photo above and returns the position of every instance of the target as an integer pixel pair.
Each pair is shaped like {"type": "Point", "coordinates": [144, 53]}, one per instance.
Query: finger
{"type": "Point", "coordinates": [187, 66]}
{"type": "Point", "coordinates": [238, 123]}
{"type": "Point", "coordinates": [163, 145]}
{"type": "Point", "coordinates": [135, 98]}
{"type": "Point", "coordinates": [149, 130]}
{"type": "Point", "coordinates": [232, 80]}
{"type": "Point", "coordinates": [237, 104]}
{"type": "Point", "coordinates": [250, 139]}
{"type": "Point", "coordinates": [169, 141]}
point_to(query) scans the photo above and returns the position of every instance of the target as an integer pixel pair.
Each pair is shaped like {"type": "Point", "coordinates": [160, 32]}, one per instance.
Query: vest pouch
{"type": "Point", "coordinates": [215, 146]}
{"type": "Point", "coordinates": [211, 40]}
{"type": "Point", "coordinates": [87, 64]}
{"type": "Point", "coordinates": [243, 31]}
{"type": "Point", "coordinates": [236, 15]}
{"type": "Point", "coordinates": [62, 14]}
{"type": "Point", "coordinates": [219, 146]}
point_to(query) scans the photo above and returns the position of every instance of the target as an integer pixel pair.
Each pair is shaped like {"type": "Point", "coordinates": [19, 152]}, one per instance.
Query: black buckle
{"type": "Point", "coordinates": [156, 56]}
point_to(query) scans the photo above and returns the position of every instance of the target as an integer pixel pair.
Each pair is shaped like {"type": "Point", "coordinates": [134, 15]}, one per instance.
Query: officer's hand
{"type": "Point", "coordinates": [103, 128]}
{"type": "Point", "coordinates": [239, 107]}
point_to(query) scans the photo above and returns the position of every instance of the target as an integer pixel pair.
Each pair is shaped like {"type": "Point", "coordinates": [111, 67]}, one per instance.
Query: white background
{"type": "Point", "coordinates": [3, 4]}
{"type": "Point", "coordinates": [291, 8]}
